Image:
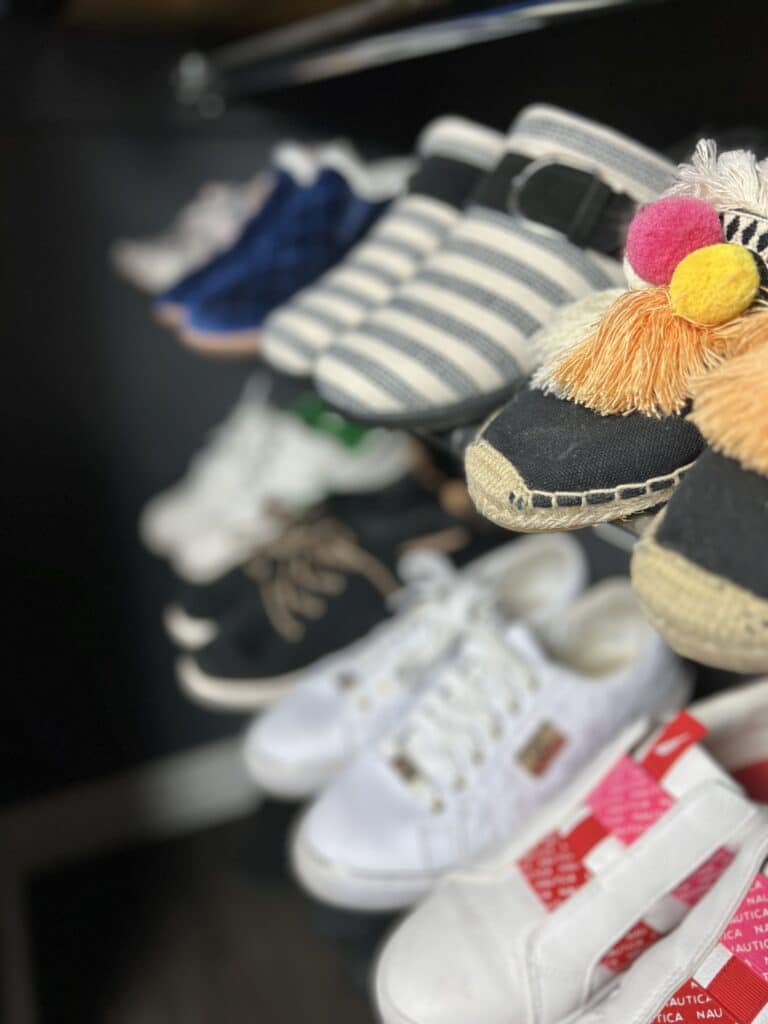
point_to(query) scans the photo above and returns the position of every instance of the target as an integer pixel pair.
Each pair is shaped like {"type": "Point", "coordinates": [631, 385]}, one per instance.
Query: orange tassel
{"type": "Point", "coordinates": [731, 403]}
{"type": "Point", "coordinates": [641, 358]}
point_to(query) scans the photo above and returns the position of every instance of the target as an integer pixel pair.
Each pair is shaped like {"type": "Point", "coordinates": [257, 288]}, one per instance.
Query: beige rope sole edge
{"type": "Point", "coordinates": [682, 602]}
{"type": "Point", "coordinates": [538, 520]}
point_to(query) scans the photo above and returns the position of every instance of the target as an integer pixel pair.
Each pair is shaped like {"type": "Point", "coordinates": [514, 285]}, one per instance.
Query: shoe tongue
{"type": "Point", "coordinates": [542, 131]}
{"type": "Point", "coordinates": [425, 568]}
{"type": "Point", "coordinates": [518, 638]}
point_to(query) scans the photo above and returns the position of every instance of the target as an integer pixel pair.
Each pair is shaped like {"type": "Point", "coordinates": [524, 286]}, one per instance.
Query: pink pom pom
{"type": "Point", "coordinates": [665, 232]}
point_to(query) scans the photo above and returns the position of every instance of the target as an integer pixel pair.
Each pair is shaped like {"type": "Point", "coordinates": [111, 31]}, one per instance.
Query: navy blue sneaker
{"type": "Point", "coordinates": [171, 305]}
{"type": "Point", "coordinates": [307, 230]}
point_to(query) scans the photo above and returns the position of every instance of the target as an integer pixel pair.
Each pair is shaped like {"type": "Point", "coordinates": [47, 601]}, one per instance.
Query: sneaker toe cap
{"type": "Point", "coordinates": [365, 823]}
{"type": "Point", "coordinates": [443, 966]}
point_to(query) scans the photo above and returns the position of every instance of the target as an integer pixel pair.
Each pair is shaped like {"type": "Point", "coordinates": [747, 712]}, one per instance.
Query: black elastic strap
{"type": "Point", "coordinates": [446, 179]}
{"type": "Point", "coordinates": [573, 202]}
{"type": "Point", "coordinates": [581, 206]}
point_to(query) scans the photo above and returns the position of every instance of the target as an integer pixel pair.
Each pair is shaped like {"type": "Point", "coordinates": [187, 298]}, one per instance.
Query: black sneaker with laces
{"type": "Point", "coordinates": [322, 585]}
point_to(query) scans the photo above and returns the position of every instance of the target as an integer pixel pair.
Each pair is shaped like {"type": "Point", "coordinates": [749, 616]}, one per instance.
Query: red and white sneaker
{"type": "Point", "coordinates": [721, 952]}
{"type": "Point", "coordinates": [544, 929]}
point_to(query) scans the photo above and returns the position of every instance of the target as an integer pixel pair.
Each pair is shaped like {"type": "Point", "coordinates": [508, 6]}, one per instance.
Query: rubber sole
{"type": "Point", "coordinates": [702, 616]}
{"type": "Point", "coordinates": [224, 344]}
{"type": "Point", "coordinates": [169, 314]}
{"type": "Point", "coordinates": [227, 694]}
{"type": "Point", "coordinates": [187, 632]}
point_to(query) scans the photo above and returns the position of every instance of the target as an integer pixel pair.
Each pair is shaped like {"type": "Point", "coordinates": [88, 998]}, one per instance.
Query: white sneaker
{"type": "Point", "coordinates": [296, 467]}
{"type": "Point", "coordinates": [502, 728]}
{"type": "Point", "coordinates": [719, 951]}
{"type": "Point", "coordinates": [214, 474]}
{"type": "Point", "coordinates": [207, 226]}
{"type": "Point", "coordinates": [353, 697]}
{"type": "Point", "coordinates": [545, 927]}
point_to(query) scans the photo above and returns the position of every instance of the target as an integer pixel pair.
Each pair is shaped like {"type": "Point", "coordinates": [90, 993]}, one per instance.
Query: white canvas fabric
{"type": "Point", "coordinates": [295, 334]}
{"type": "Point", "coordinates": [348, 700]}
{"type": "Point", "coordinates": [504, 725]}
{"type": "Point", "coordinates": [455, 335]}
{"type": "Point", "coordinates": [258, 461]}
{"type": "Point", "coordinates": [530, 934]}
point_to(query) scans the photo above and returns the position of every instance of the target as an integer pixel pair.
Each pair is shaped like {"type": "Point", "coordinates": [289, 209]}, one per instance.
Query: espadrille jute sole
{"type": "Point", "coordinates": [701, 615]}
{"type": "Point", "coordinates": [501, 495]}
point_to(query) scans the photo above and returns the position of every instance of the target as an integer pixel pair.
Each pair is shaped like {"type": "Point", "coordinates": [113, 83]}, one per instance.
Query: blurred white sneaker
{"type": "Point", "coordinates": [545, 928]}
{"type": "Point", "coordinates": [214, 474]}
{"type": "Point", "coordinates": [296, 467]}
{"type": "Point", "coordinates": [503, 727]}
{"type": "Point", "coordinates": [205, 227]}
{"type": "Point", "coordinates": [351, 698]}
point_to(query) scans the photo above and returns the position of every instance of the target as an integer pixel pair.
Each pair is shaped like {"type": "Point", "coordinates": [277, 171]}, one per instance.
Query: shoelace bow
{"type": "Point", "coordinates": [305, 567]}
{"type": "Point", "coordinates": [427, 619]}
{"type": "Point", "coordinates": [464, 712]}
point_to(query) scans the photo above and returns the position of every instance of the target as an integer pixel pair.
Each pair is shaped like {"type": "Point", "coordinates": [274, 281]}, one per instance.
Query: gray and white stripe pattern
{"type": "Point", "coordinates": [459, 329]}
{"type": "Point", "coordinates": [751, 231]}
{"type": "Point", "coordinates": [457, 334]}
{"type": "Point", "coordinates": [414, 226]}
{"type": "Point", "coordinates": [296, 333]}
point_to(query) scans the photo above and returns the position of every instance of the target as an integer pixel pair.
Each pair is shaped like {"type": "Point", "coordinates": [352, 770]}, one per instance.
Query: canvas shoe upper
{"type": "Point", "coordinates": [293, 170]}
{"type": "Point", "coordinates": [502, 727]}
{"type": "Point", "coordinates": [297, 467]}
{"type": "Point", "coordinates": [614, 396]}
{"type": "Point", "coordinates": [349, 699]}
{"type": "Point", "coordinates": [209, 224]}
{"type": "Point", "coordinates": [547, 924]}
{"type": "Point", "coordinates": [316, 228]}
{"type": "Point", "coordinates": [453, 153]}
{"type": "Point", "coordinates": [543, 228]}
{"type": "Point", "coordinates": [321, 585]}
{"type": "Point", "coordinates": [214, 474]}
{"type": "Point", "coordinates": [701, 569]}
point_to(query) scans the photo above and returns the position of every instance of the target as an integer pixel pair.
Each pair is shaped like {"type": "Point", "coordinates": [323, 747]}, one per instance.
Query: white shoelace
{"type": "Point", "coordinates": [428, 618]}
{"type": "Point", "coordinates": [465, 711]}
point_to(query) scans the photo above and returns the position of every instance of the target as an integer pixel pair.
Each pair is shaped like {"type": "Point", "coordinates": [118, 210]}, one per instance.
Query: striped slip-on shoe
{"type": "Point", "coordinates": [545, 227]}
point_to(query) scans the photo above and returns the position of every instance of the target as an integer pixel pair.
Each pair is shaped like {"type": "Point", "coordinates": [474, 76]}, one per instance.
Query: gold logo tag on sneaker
{"type": "Point", "coordinates": [541, 750]}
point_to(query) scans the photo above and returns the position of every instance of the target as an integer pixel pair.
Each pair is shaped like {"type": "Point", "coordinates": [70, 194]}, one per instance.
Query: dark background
{"type": "Point", "coordinates": [102, 409]}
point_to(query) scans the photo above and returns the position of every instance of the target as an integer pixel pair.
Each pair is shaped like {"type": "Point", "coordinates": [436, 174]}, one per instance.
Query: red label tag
{"type": "Point", "coordinates": [676, 737]}
{"type": "Point", "coordinates": [692, 1004]}
{"type": "Point", "coordinates": [739, 990]}
{"type": "Point", "coordinates": [553, 871]}
{"type": "Point", "coordinates": [628, 949]}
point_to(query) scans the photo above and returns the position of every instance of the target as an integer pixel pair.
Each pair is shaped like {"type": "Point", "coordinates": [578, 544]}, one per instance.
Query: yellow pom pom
{"type": "Point", "coordinates": [714, 284]}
